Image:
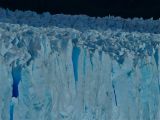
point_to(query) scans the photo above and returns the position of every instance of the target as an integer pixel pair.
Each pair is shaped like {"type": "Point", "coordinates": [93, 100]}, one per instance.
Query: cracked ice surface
{"type": "Point", "coordinates": [55, 73]}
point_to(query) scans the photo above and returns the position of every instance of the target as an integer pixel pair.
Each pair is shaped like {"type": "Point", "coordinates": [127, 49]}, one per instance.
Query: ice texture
{"type": "Point", "coordinates": [62, 67]}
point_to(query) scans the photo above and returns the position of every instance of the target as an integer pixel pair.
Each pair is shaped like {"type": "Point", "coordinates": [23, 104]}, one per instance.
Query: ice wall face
{"type": "Point", "coordinates": [52, 73]}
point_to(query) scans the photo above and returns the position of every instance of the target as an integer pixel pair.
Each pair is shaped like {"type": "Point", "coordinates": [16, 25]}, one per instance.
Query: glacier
{"type": "Point", "coordinates": [63, 67]}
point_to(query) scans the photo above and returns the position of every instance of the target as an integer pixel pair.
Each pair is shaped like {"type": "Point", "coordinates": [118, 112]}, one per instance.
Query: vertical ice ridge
{"type": "Point", "coordinates": [11, 111]}
{"type": "Point", "coordinates": [12, 107]}
{"type": "Point", "coordinates": [84, 62]}
{"type": "Point", "coordinates": [75, 57]}
{"type": "Point", "coordinates": [100, 56]}
{"type": "Point", "coordinates": [91, 60]}
{"type": "Point", "coordinates": [156, 57]}
{"type": "Point", "coordinates": [113, 86]}
{"type": "Point", "coordinates": [114, 91]}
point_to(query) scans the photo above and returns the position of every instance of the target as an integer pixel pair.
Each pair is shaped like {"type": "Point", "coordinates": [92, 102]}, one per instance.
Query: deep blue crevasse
{"type": "Point", "coordinates": [16, 75]}
{"type": "Point", "coordinates": [156, 57]}
{"type": "Point", "coordinates": [75, 57]}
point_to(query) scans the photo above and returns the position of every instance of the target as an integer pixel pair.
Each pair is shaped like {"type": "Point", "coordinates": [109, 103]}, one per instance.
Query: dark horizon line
{"type": "Point", "coordinates": [89, 9]}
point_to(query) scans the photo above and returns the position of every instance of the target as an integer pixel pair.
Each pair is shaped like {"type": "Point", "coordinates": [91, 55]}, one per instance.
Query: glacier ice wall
{"type": "Point", "coordinates": [57, 73]}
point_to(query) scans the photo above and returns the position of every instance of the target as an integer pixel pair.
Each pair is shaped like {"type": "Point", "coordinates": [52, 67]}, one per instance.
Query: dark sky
{"type": "Point", "coordinates": [123, 8]}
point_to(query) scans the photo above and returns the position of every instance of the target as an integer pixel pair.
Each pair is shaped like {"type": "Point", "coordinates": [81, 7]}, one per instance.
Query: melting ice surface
{"type": "Point", "coordinates": [81, 69]}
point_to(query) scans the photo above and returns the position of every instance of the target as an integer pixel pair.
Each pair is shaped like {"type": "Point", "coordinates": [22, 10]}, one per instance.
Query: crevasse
{"type": "Point", "coordinates": [56, 73]}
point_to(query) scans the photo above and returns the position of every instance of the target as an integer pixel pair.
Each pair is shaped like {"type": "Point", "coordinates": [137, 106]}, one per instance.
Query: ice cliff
{"type": "Point", "coordinates": [58, 67]}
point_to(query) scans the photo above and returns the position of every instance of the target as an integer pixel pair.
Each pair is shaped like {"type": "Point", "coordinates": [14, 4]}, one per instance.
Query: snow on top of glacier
{"type": "Point", "coordinates": [21, 34]}
{"type": "Point", "coordinates": [19, 41]}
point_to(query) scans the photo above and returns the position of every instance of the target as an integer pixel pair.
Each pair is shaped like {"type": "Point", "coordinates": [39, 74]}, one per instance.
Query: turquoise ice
{"type": "Point", "coordinates": [61, 67]}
